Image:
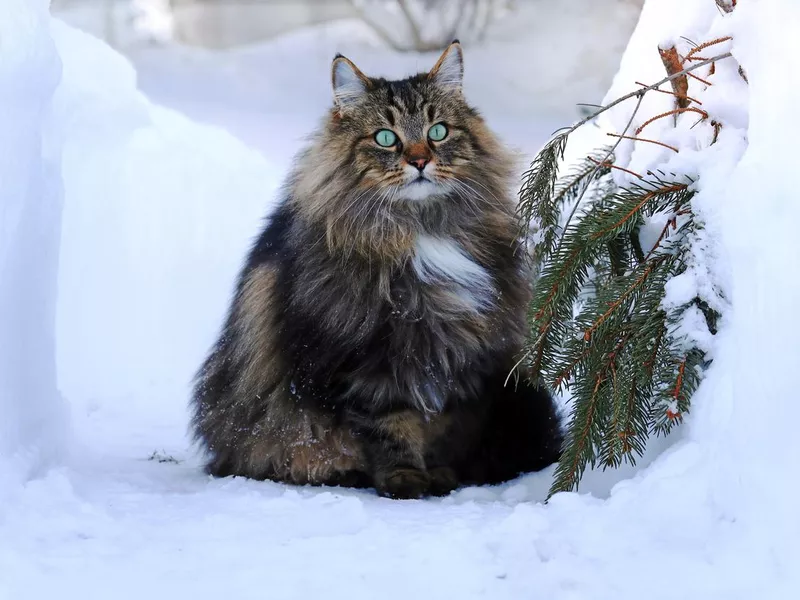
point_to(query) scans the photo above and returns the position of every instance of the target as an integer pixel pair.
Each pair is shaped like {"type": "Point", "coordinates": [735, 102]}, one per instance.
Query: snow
{"type": "Point", "coordinates": [158, 211]}
{"type": "Point", "coordinates": [32, 415]}
{"type": "Point", "coordinates": [149, 198]}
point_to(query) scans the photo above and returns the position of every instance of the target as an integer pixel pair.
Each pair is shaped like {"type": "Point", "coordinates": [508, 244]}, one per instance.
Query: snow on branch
{"type": "Point", "coordinates": [605, 321]}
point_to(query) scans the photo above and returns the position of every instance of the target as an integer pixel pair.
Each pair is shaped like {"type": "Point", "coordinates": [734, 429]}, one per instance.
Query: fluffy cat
{"type": "Point", "coordinates": [381, 310]}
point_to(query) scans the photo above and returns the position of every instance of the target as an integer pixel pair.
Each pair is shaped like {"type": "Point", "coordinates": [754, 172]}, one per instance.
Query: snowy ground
{"type": "Point", "coordinates": [157, 214]}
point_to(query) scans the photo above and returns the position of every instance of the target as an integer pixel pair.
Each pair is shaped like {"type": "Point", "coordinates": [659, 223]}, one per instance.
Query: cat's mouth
{"type": "Point", "coordinates": [420, 188]}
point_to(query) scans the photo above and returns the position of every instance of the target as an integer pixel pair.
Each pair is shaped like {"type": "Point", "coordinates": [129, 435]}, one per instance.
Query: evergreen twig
{"type": "Point", "coordinates": [641, 92]}
{"type": "Point", "coordinates": [597, 323]}
{"type": "Point", "coordinates": [705, 45]}
{"type": "Point", "coordinates": [640, 139]}
{"type": "Point", "coordinates": [675, 111]}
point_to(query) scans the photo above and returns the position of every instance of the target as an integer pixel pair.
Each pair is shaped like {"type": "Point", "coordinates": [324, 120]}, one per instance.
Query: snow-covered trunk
{"type": "Point", "coordinates": [31, 410]}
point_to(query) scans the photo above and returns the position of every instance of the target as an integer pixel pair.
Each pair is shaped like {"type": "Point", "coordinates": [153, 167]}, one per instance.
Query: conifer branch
{"type": "Point", "coordinates": [700, 79]}
{"type": "Point", "coordinates": [671, 92]}
{"type": "Point", "coordinates": [638, 139]}
{"type": "Point", "coordinates": [641, 92]}
{"type": "Point", "coordinates": [705, 45]}
{"type": "Point", "coordinates": [596, 319]}
{"type": "Point", "coordinates": [587, 336]}
{"type": "Point", "coordinates": [608, 155]}
{"type": "Point", "coordinates": [645, 199]}
{"type": "Point", "coordinates": [675, 111]}
{"type": "Point", "coordinates": [613, 166]}
{"type": "Point", "coordinates": [567, 475]}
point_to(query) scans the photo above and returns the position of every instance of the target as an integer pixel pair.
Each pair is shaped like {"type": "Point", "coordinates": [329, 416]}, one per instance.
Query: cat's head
{"type": "Point", "coordinates": [390, 146]}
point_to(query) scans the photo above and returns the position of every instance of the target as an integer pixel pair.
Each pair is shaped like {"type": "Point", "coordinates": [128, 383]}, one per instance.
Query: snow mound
{"type": "Point", "coordinates": [158, 213]}
{"type": "Point", "coordinates": [32, 415]}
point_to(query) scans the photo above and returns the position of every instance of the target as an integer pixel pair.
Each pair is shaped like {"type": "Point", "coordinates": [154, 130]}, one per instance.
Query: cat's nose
{"type": "Point", "coordinates": [420, 163]}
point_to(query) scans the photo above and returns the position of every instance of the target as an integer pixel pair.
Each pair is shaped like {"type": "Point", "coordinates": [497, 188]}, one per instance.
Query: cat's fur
{"type": "Point", "coordinates": [376, 319]}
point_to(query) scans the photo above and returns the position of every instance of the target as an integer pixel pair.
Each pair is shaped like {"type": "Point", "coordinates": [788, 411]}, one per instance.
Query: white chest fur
{"type": "Point", "coordinates": [443, 262]}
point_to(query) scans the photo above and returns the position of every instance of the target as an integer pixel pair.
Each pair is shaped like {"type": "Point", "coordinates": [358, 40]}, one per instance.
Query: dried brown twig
{"type": "Point", "coordinates": [671, 93]}
{"type": "Point", "coordinates": [640, 93]}
{"type": "Point", "coordinates": [676, 111]}
{"type": "Point", "coordinates": [673, 65]}
{"type": "Point", "coordinates": [705, 45]}
{"type": "Point", "coordinates": [639, 139]}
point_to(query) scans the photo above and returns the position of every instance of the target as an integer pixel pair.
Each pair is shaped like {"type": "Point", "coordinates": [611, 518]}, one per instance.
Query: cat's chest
{"type": "Point", "coordinates": [442, 279]}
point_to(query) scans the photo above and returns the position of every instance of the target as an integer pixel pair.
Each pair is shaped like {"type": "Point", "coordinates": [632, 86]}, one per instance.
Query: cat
{"type": "Point", "coordinates": [380, 312]}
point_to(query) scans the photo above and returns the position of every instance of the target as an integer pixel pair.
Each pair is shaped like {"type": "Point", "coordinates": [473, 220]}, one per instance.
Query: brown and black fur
{"type": "Point", "coordinates": [346, 359]}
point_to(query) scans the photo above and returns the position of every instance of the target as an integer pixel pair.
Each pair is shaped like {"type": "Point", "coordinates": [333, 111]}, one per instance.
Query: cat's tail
{"type": "Point", "coordinates": [522, 433]}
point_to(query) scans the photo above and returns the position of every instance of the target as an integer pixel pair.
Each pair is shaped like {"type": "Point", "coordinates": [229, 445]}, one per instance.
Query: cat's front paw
{"type": "Point", "coordinates": [404, 484]}
{"type": "Point", "coordinates": [443, 481]}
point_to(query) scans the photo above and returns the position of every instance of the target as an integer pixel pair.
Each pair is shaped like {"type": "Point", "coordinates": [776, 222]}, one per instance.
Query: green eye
{"type": "Point", "coordinates": [438, 132]}
{"type": "Point", "coordinates": [386, 138]}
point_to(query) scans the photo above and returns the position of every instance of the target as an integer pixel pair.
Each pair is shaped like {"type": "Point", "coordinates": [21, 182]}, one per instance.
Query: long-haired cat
{"type": "Point", "coordinates": [380, 312]}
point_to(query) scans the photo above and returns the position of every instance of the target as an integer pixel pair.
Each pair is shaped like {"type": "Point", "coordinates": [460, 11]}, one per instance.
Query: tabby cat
{"type": "Point", "coordinates": [380, 312]}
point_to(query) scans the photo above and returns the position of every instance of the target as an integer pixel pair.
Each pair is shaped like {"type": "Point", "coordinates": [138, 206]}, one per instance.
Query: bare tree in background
{"type": "Point", "coordinates": [121, 22]}
{"type": "Point", "coordinates": [428, 25]}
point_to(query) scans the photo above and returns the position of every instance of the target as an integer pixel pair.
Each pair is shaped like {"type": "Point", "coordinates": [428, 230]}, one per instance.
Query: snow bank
{"type": "Point", "coordinates": [721, 500]}
{"type": "Point", "coordinates": [752, 419]}
{"type": "Point", "coordinates": [159, 212]}
{"type": "Point", "coordinates": [31, 412]}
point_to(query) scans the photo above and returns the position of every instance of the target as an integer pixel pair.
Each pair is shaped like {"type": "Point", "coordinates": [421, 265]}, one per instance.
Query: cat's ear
{"type": "Point", "coordinates": [349, 84]}
{"type": "Point", "coordinates": [448, 72]}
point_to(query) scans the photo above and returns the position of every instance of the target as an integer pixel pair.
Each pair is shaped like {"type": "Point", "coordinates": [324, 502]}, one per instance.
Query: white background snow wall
{"type": "Point", "coordinates": [31, 412]}
{"type": "Point", "coordinates": [158, 213]}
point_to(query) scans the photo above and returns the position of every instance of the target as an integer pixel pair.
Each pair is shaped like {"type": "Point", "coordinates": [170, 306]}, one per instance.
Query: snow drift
{"type": "Point", "coordinates": [158, 212]}
{"type": "Point", "coordinates": [32, 416]}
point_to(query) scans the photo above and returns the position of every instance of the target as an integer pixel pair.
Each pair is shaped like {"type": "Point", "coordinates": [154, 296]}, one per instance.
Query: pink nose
{"type": "Point", "coordinates": [420, 163]}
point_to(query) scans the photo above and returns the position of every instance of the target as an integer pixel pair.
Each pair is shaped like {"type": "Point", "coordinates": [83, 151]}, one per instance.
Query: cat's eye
{"type": "Point", "coordinates": [438, 132]}
{"type": "Point", "coordinates": [386, 138]}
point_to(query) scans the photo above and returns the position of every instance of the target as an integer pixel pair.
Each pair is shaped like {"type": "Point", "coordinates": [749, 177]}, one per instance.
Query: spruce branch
{"type": "Point", "coordinates": [705, 45]}
{"type": "Point", "coordinates": [700, 79]}
{"type": "Point", "coordinates": [580, 446]}
{"type": "Point", "coordinates": [641, 92]}
{"type": "Point", "coordinates": [604, 160]}
{"type": "Point", "coordinates": [676, 112]}
{"type": "Point", "coordinates": [597, 324]}
{"type": "Point", "coordinates": [539, 182]}
{"type": "Point", "coordinates": [640, 139]}
{"type": "Point", "coordinates": [629, 214]}
{"type": "Point", "coordinates": [671, 92]}
{"type": "Point", "coordinates": [587, 336]}
{"type": "Point", "coordinates": [611, 165]}
{"type": "Point", "coordinates": [541, 176]}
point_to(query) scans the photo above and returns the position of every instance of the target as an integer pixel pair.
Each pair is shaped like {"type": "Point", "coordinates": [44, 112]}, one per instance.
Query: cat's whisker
{"type": "Point", "coordinates": [340, 216]}
{"type": "Point", "coordinates": [467, 195]}
{"type": "Point", "coordinates": [350, 236]}
{"type": "Point", "coordinates": [497, 202]}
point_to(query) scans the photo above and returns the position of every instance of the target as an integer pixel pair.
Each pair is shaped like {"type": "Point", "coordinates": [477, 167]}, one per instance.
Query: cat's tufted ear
{"type": "Point", "coordinates": [448, 72]}
{"type": "Point", "coordinates": [349, 84]}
